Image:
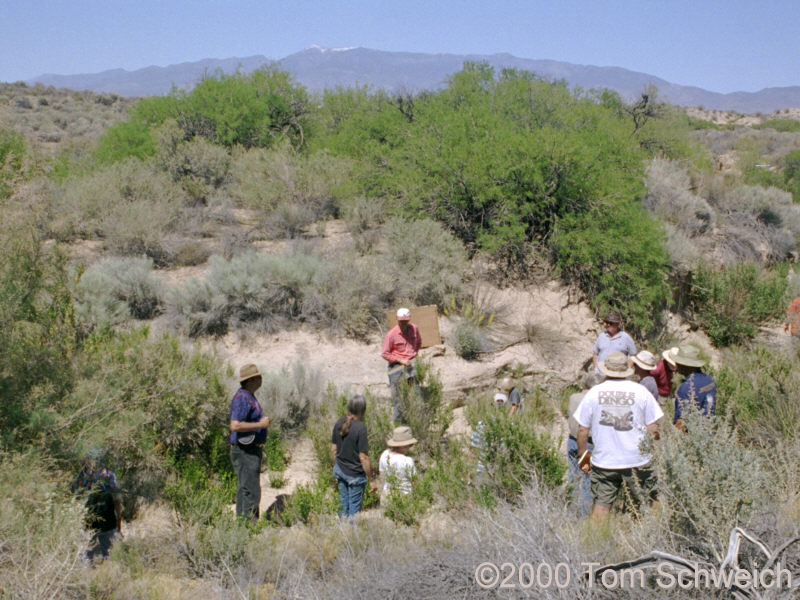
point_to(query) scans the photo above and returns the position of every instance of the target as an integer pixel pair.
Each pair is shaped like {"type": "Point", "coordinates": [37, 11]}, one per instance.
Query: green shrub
{"type": "Point", "coordinates": [309, 502]}
{"type": "Point", "coordinates": [40, 339]}
{"type": "Point", "coordinates": [731, 303]}
{"type": "Point", "coordinates": [408, 509]}
{"type": "Point", "coordinates": [171, 405]}
{"type": "Point", "coordinates": [198, 492]}
{"type": "Point", "coordinates": [449, 474]}
{"type": "Point", "coordinates": [116, 289]}
{"type": "Point", "coordinates": [424, 407]}
{"type": "Point", "coordinates": [261, 108]}
{"type": "Point", "coordinates": [513, 451]}
{"type": "Point", "coordinates": [615, 257]}
{"type": "Point", "coordinates": [12, 155]}
{"type": "Point", "coordinates": [125, 140]}
{"type": "Point", "coordinates": [785, 124]}
{"type": "Point", "coordinates": [274, 454]}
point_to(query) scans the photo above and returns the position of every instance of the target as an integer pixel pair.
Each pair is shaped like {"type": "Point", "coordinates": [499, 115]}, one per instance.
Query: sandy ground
{"type": "Point", "coordinates": [300, 470]}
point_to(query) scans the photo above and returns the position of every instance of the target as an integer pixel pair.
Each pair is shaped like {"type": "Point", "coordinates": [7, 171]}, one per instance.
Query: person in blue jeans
{"type": "Point", "coordinates": [579, 482]}
{"type": "Point", "coordinates": [350, 452]}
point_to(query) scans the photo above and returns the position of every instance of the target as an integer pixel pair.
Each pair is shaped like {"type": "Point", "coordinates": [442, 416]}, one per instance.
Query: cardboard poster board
{"type": "Point", "coordinates": [426, 318]}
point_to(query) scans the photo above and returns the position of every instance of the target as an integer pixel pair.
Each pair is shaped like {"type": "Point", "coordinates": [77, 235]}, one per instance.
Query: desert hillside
{"type": "Point", "coordinates": [151, 248]}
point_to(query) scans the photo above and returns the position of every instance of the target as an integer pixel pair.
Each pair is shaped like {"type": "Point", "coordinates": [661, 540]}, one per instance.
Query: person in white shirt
{"type": "Point", "coordinates": [396, 469]}
{"type": "Point", "coordinates": [619, 413]}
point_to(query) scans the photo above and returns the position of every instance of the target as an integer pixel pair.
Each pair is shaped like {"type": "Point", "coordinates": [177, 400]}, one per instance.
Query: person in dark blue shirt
{"type": "Point", "coordinates": [697, 387]}
{"type": "Point", "coordinates": [248, 427]}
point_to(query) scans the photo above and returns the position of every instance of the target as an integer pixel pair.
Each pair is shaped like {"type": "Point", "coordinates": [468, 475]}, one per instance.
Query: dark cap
{"type": "Point", "coordinates": [612, 318]}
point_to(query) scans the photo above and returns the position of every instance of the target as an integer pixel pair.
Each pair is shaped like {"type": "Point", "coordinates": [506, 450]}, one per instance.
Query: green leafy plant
{"type": "Point", "coordinates": [731, 303]}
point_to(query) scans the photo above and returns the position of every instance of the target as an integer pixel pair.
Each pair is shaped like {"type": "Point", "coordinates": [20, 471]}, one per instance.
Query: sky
{"type": "Point", "coordinates": [719, 45]}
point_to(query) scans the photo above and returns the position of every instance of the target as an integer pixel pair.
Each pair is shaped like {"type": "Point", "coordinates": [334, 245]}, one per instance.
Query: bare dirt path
{"type": "Point", "coordinates": [301, 470]}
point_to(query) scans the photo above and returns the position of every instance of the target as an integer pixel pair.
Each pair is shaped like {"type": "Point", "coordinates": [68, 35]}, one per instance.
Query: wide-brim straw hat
{"type": "Point", "coordinates": [249, 371]}
{"type": "Point", "coordinates": [401, 436]}
{"type": "Point", "coordinates": [505, 383]}
{"type": "Point", "coordinates": [616, 365]}
{"type": "Point", "coordinates": [645, 360]}
{"type": "Point", "coordinates": [669, 356]}
{"type": "Point", "coordinates": [688, 356]}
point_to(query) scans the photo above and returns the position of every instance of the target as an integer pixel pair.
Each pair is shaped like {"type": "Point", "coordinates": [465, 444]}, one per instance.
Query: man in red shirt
{"type": "Point", "coordinates": [400, 347]}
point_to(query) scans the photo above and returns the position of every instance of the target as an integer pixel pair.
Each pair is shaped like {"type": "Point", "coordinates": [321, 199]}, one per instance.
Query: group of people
{"type": "Point", "coordinates": [608, 422]}
{"type": "Point", "coordinates": [611, 417]}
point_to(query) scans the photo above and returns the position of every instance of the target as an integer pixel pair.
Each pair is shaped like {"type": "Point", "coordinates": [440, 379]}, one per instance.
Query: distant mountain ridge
{"type": "Point", "coordinates": [319, 68]}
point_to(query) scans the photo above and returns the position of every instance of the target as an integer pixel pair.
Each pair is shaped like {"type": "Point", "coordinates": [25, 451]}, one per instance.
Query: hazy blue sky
{"type": "Point", "coordinates": [720, 45]}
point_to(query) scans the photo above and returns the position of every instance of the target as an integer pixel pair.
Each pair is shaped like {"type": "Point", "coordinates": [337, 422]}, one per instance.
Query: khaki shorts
{"type": "Point", "coordinates": [640, 483]}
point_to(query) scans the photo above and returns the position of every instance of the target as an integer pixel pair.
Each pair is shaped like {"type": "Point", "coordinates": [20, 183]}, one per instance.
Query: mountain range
{"type": "Point", "coordinates": [319, 68]}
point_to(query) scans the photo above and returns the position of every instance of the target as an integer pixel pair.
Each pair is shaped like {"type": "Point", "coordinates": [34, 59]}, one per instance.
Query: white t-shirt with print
{"type": "Point", "coordinates": [398, 469]}
{"type": "Point", "coordinates": [617, 411]}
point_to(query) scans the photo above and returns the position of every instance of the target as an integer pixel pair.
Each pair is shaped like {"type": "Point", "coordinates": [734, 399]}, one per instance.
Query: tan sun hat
{"type": "Point", "coordinates": [616, 365]}
{"type": "Point", "coordinates": [505, 383]}
{"type": "Point", "coordinates": [645, 360]}
{"type": "Point", "coordinates": [401, 436]}
{"type": "Point", "coordinates": [249, 371]}
{"type": "Point", "coordinates": [669, 356]}
{"type": "Point", "coordinates": [688, 356]}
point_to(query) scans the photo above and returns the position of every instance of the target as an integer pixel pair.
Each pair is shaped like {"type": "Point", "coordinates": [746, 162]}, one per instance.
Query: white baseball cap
{"type": "Point", "coordinates": [403, 314]}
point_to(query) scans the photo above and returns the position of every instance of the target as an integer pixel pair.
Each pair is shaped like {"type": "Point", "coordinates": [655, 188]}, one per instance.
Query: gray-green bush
{"type": "Point", "coordinates": [291, 395]}
{"type": "Point", "coordinates": [708, 481]}
{"type": "Point", "coordinates": [116, 289]}
{"type": "Point", "coordinates": [425, 261]}
{"type": "Point", "coordinates": [128, 204]}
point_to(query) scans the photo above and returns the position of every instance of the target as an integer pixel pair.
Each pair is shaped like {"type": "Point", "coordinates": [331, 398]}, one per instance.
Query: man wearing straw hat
{"type": "Point", "coordinates": [698, 389]}
{"type": "Point", "coordinates": [396, 469]}
{"type": "Point", "coordinates": [619, 413]}
{"type": "Point", "coordinates": [248, 427]}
